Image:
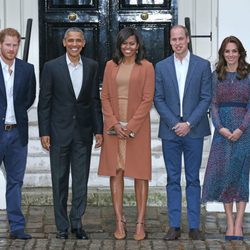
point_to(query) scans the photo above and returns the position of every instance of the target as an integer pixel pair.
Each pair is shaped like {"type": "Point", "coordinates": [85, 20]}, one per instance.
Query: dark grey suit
{"type": "Point", "coordinates": [70, 123]}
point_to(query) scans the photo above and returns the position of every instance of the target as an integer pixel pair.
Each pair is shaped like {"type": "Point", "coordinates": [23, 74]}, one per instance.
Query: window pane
{"type": "Point", "coordinates": [72, 2]}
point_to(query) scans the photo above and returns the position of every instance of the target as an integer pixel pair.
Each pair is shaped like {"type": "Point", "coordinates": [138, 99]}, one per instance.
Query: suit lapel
{"type": "Point", "coordinates": [2, 84]}
{"type": "Point", "coordinates": [173, 74]}
{"type": "Point", "coordinates": [85, 68]}
{"type": "Point", "coordinates": [17, 77]}
{"type": "Point", "coordinates": [113, 78]}
{"type": "Point", "coordinates": [66, 75]}
{"type": "Point", "coordinates": [135, 72]}
{"type": "Point", "coordinates": [191, 68]}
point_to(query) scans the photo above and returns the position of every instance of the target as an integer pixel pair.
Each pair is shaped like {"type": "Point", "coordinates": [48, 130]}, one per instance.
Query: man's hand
{"type": "Point", "coordinates": [181, 129]}
{"type": "Point", "coordinates": [98, 140]}
{"type": "Point", "coordinates": [45, 141]}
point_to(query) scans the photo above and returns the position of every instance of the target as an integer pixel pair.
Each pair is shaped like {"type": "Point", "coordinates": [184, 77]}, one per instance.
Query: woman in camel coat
{"type": "Point", "coordinates": [127, 95]}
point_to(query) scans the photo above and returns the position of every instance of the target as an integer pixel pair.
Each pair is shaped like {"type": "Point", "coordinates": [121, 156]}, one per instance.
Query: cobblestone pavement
{"type": "Point", "coordinates": [99, 224]}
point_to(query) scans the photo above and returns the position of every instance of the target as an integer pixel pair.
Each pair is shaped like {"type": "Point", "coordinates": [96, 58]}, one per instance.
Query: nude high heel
{"type": "Point", "coordinates": [140, 236]}
{"type": "Point", "coordinates": [123, 234]}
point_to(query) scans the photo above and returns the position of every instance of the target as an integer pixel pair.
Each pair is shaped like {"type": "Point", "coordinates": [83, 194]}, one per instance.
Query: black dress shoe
{"type": "Point", "coordinates": [80, 233]}
{"type": "Point", "coordinates": [63, 235]}
{"type": "Point", "coordinates": [20, 234]}
{"type": "Point", "coordinates": [196, 234]}
{"type": "Point", "coordinates": [172, 234]}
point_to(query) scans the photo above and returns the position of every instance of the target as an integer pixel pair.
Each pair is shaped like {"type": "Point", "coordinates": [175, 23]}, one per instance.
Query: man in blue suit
{"type": "Point", "coordinates": [182, 97]}
{"type": "Point", "coordinates": [17, 94]}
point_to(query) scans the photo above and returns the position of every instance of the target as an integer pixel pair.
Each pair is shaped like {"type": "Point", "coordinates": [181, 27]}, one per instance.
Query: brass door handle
{"type": "Point", "coordinates": [72, 16]}
{"type": "Point", "coordinates": [144, 16]}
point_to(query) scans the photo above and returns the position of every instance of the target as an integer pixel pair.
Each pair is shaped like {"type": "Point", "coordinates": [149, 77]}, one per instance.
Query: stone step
{"type": "Point", "coordinates": [37, 180]}
{"type": "Point", "coordinates": [97, 196]}
{"type": "Point", "coordinates": [38, 165]}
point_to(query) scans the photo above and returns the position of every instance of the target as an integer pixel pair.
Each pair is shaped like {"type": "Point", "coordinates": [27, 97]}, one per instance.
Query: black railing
{"type": "Point", "coordinates": [187, 25]}
{"type": "Point", "coordinates": [27, 40]}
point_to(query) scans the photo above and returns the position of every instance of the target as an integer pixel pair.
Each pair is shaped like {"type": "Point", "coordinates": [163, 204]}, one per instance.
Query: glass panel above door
{"type": "Point", "coordinates": [71, 3]}
{"type": "Point", "coordinates": [166, 4]}
{"type": "Point", "coordinates": [137, 2]}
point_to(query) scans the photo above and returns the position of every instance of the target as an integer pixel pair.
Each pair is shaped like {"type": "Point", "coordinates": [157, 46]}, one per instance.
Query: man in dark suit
{"type": "Point", "coordinates": [17, 94]}
{"type": "Point", "coordinates": [182, 98]}
{"type": "Point", "coordinates": [69, 114]}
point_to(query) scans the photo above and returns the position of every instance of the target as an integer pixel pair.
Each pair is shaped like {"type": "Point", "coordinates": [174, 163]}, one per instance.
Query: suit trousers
{"type": "Point", "coordinates": [74, 157]}
{"type": "Point", "coordinates": [14, 156]}
{"type": "Point", "coordinates": [191, 148]}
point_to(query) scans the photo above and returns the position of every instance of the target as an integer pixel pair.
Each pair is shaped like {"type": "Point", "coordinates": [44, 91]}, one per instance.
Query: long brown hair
{"type": "Point", "coordinates": [243, 67]}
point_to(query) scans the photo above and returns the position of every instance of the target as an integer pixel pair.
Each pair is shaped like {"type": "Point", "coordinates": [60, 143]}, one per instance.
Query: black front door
{"type": "Point", "coordinates": [101, 20]}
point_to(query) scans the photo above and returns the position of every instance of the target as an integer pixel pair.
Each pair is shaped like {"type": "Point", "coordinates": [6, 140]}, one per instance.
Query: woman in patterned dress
{"type": "Point", "coordinates": [127, 95]}
{"type": "Point", "coordinates": [227, 174]}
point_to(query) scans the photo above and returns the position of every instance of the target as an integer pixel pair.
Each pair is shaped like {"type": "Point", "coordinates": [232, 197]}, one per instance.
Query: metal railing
{"type": "Point", "coordinates": [27, 40]}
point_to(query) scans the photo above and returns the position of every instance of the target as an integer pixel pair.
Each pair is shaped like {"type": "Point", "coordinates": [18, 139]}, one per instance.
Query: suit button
{"type": "Point", "coordinates": [74, 117]}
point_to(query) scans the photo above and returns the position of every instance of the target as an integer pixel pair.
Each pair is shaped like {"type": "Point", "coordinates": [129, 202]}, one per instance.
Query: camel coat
{"type": "Point", "coordinates": [140, 97]}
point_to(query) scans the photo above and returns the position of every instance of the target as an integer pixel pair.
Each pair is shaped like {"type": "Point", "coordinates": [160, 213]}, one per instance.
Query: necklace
{"type": "Point", "coordinates": [231, 76]}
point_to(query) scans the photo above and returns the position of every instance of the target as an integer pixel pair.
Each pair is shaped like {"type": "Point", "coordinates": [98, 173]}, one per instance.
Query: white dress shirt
{"type": "Point", "coordinates": [8, 75]}
{"type": "Point", "coordinates": [181, 68]}
{"type": "Point", "coordinates": [76, 74]}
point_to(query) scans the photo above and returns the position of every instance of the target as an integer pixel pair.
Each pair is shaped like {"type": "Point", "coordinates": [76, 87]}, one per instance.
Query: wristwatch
{"type": "Point", "coordinates": [188, 123]}
{"type": "Point", "coordinates": [132, 134]}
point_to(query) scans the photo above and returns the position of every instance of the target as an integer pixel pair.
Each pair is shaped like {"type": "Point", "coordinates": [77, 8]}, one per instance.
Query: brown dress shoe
{"type": "Point", "coordinates": [196, 234]}
{"type": "Point", "coordinates": [172, 234]}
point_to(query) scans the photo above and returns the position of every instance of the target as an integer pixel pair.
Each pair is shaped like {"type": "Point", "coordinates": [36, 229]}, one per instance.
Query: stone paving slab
{"type": "Point", "coordinates": [99, 224]}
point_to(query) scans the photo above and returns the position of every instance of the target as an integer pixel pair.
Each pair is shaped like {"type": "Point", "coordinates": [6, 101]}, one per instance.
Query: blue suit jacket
{"type": "Point", "coordinates": [196, 99]}
{"type": "Point", "coordinates": [24, 95]}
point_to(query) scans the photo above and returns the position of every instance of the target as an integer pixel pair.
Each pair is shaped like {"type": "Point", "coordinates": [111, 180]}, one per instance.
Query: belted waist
{"type": "Point", "coordinates": [233, 104]}
{"type": "Point", "coordinates": [8, 127]}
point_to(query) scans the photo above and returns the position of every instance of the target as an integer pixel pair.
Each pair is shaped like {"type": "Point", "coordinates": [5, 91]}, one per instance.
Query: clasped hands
{"type": "Point", "coordinates": [232, 136]}
{"type": "Point", "coordinates": [181, 129]}
{"type": "Point", "coordinates": [122, 131]}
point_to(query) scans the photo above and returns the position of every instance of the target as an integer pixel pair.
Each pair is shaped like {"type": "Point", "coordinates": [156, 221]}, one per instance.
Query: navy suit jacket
{"type": "Point", "coordinates": [196, 99]}
{"type": "Point", "coordinates": [59, 111]}
{"type": "Point", "coordinates": [24, 91]}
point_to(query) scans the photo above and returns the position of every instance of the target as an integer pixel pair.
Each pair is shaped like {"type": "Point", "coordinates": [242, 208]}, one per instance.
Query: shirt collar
{"type": "Point", "coordinates": [72, 64]}
{"type": "Point", "coordinates": [6, 66]}
{"type": "Point", "coordinates": [184, 60]}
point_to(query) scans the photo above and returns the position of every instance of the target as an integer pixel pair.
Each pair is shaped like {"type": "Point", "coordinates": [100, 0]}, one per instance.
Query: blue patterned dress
{"type": "Point", "coordinates": [227, 173]}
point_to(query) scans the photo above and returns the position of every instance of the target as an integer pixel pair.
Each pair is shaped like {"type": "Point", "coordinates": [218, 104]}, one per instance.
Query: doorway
{"type": "Point", "coordinates": [101, 20]}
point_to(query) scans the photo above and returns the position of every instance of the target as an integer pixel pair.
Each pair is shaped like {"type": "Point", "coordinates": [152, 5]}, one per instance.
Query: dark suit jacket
{"type": "Point", "coordinates": [196, 99]}
{"type": "Point", "coordinates": [59, 112]}
{"type": "Point", "coordinates": [24, 95]}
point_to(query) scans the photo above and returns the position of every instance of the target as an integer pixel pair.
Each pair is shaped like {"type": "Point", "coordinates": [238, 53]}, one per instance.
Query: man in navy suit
{"type": "Point", "coordinates": [182, 98]}
{"type": "Point", "coordinates": [69, 114]}
{"type": "Point", "coordinates": [17, 94]}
